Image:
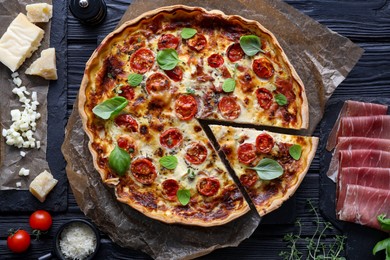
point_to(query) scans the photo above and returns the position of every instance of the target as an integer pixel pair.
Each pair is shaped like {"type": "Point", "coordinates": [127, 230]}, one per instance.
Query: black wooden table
{"type": "Point", "coordinates": [366, 23]}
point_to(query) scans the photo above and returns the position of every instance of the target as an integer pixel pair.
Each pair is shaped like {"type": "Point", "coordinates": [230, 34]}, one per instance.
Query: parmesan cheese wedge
{"type": "Point", "coordinates": [44, 66]}
{"type": "Point", "coordinates": [39, 13]}
{"type": "Point", "coordinates": [19, 42]}
{"type": "Point", "coordinates": [42, 185]}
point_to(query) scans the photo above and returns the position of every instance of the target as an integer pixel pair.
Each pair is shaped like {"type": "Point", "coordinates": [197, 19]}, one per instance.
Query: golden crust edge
{"type": "Point", "coordinates": [278, 202]}
{"type": "Point", "coordinates": [147, 15]}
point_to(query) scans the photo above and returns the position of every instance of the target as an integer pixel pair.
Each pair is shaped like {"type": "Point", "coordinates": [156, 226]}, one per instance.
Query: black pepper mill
{"type": "Point", "coordinates": [90, 12]}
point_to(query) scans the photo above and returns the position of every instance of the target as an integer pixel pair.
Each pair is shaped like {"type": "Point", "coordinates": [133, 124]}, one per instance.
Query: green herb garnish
{"type": "Point", "coordinates": [250, 44]}
{"type": "Point", "coordinates": [268, 169]}
{"type": "Point", "coordinates": [119, 160]}
{"type": "Point", "coordinates": [183, 196]}
{"type": "Point", "coordinates": [384, 222]}
{"type": "Point", "coordinates": [281, 99]}
{"type": "Point", "coordinates": [229, 85]}
{"type": "Point", "coordinates": [295, 151]}
{"type": "Point", "coordinates": [188, 33]}
{"type": "Point", "coordinates": [134, 79]}
{"type": "Point", "coordinates": [169, 162]}
{"type": "Point", "coordinates": [167, 59]}
{"type": "Point", "coordinates": [110, 107]}
{"type": "Point", "coordinates": [190, 90]}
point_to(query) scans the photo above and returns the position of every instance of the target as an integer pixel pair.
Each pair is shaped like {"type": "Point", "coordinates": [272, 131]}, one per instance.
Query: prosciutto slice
{"type": "Point", "coordinates": [365, 126]}
{"type": "Point", "coordinates": [363, 204]}
{"type": "Point", "coordinates": [352, 109]}
{"type": "Point", "coordinates": [364, 158]}
{"type": "Point", "coordinates": [354, 143]}
{"type": "Point", "coordinates": [363, 176]}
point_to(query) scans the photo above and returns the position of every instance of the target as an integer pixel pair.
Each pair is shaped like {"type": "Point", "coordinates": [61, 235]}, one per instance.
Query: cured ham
{"type": "Point", "coordinates": [364, 176]}
{"type": "Point", "coordinates": [364, 158]}
{"type": "Point", "coordinates": [365, 126]}
{"type": "Point", "coordinates": [363, 204]}
{"type": "Point", "coordinates": [354, 143]}
{"type": "Point", "coordinates": [352, 109]}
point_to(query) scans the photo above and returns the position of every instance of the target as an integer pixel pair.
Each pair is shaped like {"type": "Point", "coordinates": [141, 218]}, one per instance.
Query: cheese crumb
{"type": "Point", "coordinates": [42, 185]}
{"type": "Point", "coordinates": [39, 13]}
{"type": "Point", "coordinates": [18, 184]}
{"type": "Point", "coordinates": [77, 241]}
{"type": "Point", "coordinates": [23, 154]}
{"type": "Point", "coordinates": [24, 172]}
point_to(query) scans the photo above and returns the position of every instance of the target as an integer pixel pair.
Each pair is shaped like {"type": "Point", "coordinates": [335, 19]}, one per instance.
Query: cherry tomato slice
{"type": "Point", "coordinates": [196, 153]}
{"type": "Point", "coordinates": [157, 82]}
{"type": "Point", "coordinates": [246, 153]}
{"type": "Point", "coordinates": [215, 60]}
{"type": "Point", "coordinates": [197, 43]}
{"type": "Point", "coordinates": [186, 107]}
{"type": "Point", "coordinates": [264, 143]}
{"type": "Point", "coordinates": [40, 220]}
{"type": "Point", "coordinates": [127, 92]}
{"type": "Point", "coordinates": [170, 188]}
{"type": "Point", "coordinates": [263, 68]}
{"type": "Point", "coordinates": [19, 241]}
{"type": "Point", "coordinates": [249, 178]}
{"type": "Point", "coordinates": [143, 171]}
{"type": "Point", "coordinates": [176, 74]}
{"type": "Point", "coordinates": [142, 60]}
{"type": "Point", "coordinates": [229, 107]}
{"type": "Point", "coordinates": [235, 52]}
{"type": "Point", "coordinates": [128, 122]}
{"type": "Point", "coordinates": [126, 143]}
{"type": "Point", "coordinates": [171, 138]}
{"type": "Point", "coordinates": [208, 186]}
{"type": "Point", "coordinates": [264, 98]}
{"type": "Point", "coordinates": [168, 41]}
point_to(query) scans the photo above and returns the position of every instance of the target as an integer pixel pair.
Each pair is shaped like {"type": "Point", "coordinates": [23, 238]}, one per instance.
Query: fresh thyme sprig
{"type": "Point", "coordinates": [316, 249]}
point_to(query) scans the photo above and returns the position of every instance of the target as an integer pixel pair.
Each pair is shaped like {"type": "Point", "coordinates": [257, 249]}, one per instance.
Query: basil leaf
{"type": "Point", "coordinates": [229, 85]}
{"type": "Point", "coordinates": [382, 245]}
{"type": "Point", "coordinates": [110, 107]}
{"type": "Point", "coordinates": [190, 90]}
{"type": "Point", "coordinates": [169, 162]}
{"type": "Point", "coordinates": [134, 79]}
{"type": "Point", "coordinates": [167, 59]}
{"type": "Point", "coordinates": [385, 222]}
{"type": "Point", "coordinates": [119, 160]}
{"type": "Point", "coordinates": [295, 151]}
{"type": "Point", "coordinates": [268, 169]}
{"type": "Point", "coordinates": [188, 33]}
{"type": "Point", "coordinates": [281, 99]}
{"type": "Point", "coordinates": [183, 196]}
{"type": "Point", "coordinates": [250, 44]}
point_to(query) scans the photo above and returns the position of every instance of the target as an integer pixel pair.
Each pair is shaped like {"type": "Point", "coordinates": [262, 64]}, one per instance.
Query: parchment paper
{"type": "Point", "coordinates": [322, 59]}
{"type": "Point", "coordinates": [10, 159]}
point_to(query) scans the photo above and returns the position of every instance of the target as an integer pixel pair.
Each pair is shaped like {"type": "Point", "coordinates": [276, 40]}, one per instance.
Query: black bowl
{"type": "Point", "coordinates": [57, 238]}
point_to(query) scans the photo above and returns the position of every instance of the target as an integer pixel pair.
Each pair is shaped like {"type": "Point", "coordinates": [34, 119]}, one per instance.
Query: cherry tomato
{"type": "Point", "coordinates": [168, 41]}
{"type": "Point", "coordinates": [215, 60]}
{"type": "Point", "coordinates": [229, 107]}
{"type": "Point", "coordinates": [235, 52]}
{"type": "Point", "coordinates": [263, 68]}
{"type": "Point", "coordinates": [170, 188]}
{"type": "Point", "coordinates": [197, 43]}
{"type": "Point", "coordinates": [19, 241]}
{"type": "Point", "coordinates": [264, 143]}
{"type": "Point", "coordinates": [186, 107]}
{"type": "Point", "coordinates": [208, 186]}
{"type": "Point", "coordinates": [40, 220]}
{"type": "Point", "coordinates": [176, 74]}
{"type": "Point", "coordinates": [246, 153]}
{"type": "Point", "coordinates": [143, 171]}
{"type": "Point", "coordinates": [157, 82]}
{"type": "Point", "coordinates": [142, 60]}
{"type": "Point", "coordinates": [264, 97]}
{"type": "Point", "coordinates": [196, 153]}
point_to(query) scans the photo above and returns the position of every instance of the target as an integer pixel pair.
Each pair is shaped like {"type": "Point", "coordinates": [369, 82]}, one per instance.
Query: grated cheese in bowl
{"type": "Point", "coordinates": [77, 241]}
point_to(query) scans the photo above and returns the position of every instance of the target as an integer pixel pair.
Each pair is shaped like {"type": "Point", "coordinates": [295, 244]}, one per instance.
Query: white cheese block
{"type": "Point", "coordinates": [45, 66]}
{"type": "Point", "coordinates": [42, 185]}
{"type": "Point", "coordinates": [19, 42]}
{"type": "Point", "coordinates": [39, 13]}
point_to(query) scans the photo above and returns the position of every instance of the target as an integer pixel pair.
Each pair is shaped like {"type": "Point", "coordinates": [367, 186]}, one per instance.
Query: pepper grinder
{"type": "Point", "coordinates": [90, 12]}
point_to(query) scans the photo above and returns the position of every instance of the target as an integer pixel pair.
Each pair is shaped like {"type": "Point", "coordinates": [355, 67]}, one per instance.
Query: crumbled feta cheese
{"type": "Point", "coordinates": [24, 172]}
{"type": "Point", "coordinates": [23, 154]}
{"type": "Point", "coordinates": [18, 184]}
{"type": "Point", "coordinates": [17, 81]}
{"type": "Point", "coordinates": [15, 74]}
